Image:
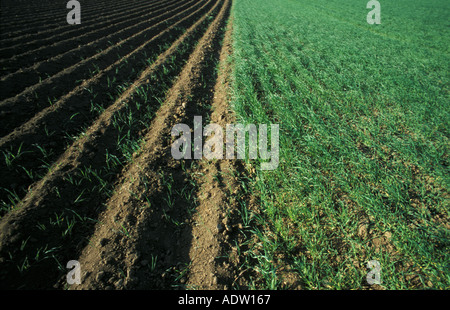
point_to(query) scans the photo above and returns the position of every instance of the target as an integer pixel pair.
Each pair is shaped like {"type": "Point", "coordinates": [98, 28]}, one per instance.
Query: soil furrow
{"type": "Point", "coordinates": [215, 224]}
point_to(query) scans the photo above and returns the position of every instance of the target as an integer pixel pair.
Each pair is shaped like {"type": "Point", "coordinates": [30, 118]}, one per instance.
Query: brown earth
{"type": "Point", "coordinates": [148, 222]}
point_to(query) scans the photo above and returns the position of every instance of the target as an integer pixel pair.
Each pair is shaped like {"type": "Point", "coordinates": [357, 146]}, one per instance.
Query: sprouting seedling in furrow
{"type": "Point", "coordinates": [11, 156]}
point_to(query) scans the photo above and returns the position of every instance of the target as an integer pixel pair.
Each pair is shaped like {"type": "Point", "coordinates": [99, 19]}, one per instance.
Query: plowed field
{"type": "Point", "coordinates": [86, 113]}
{"type": "Point", "coordinates": [359, 195]}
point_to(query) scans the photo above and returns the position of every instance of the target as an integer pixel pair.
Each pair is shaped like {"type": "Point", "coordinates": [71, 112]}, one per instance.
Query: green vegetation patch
{"type": "Point", "coordinates": [364, 143]}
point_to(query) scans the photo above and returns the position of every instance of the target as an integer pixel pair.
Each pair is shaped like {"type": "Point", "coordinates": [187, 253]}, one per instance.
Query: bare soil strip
{"type": "Point", "coordinates": [42, 201]}
{"type": "Point", "coordinates": [215, 221]}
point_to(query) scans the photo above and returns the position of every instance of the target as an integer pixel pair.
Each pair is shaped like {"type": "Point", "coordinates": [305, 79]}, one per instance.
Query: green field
{"type": "Point", "coordinates": [364, 142]}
